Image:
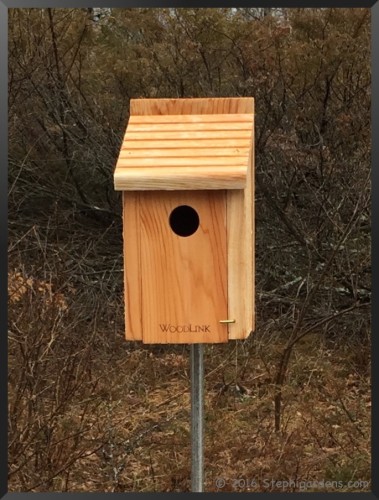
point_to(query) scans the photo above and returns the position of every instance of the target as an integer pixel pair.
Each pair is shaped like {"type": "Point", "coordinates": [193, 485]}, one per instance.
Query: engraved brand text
{"type": "Point", "coordinates": [190, 328]}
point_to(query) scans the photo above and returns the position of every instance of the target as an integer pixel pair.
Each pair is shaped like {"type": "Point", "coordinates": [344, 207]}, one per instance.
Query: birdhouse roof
{"type": "Point", "coordinates": [172, 144]}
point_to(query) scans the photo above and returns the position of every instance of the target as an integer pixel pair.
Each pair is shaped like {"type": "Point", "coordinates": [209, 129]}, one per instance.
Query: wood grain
{"type": "Point", "coordinates": [180, 178]}
{"type": "Point", "coordinates": [226, 118]}
{"type": "Point", "coordinates": [132, 266]}
{"type": "Point", "coordinates": [202, 135]}
{"type": "Point", "coordinates": [184, 279]}
{"type": "Point", "coordinates": [241, 257]}
{"type": "Point", "coordinates": [237, 282]}
{"type": "Point", "coordinates": [250, 244]}
{"type": "Point", "coordinates": [203, 161]}
{"type": "Point", "coordinates": [227, 105]}
{"type": "Point", "coordinates": [205, 141]}
{"type": "Point", "coordinates": [187, 143]}
{"type": "Point", "coordinates": [200, 125]}
{"type": "Point", "coordinates": [185, 153]}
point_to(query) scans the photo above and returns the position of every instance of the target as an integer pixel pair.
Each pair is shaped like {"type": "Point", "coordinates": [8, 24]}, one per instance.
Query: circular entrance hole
{"type": "Point", "coordinates": [184, 220]}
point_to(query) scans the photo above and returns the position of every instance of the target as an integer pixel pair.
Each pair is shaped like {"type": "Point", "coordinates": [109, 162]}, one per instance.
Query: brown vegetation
{"type": "Point", "coordinates": [90, 412]}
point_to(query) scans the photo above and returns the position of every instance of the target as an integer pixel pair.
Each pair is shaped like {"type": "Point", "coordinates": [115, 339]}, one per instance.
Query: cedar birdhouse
{"type": "Point", "coordinates": [186, 172]}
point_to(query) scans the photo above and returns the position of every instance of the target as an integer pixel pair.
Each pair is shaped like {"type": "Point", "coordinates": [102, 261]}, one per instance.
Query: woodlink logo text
{"type": "Point", "coordinates": [189, 328]}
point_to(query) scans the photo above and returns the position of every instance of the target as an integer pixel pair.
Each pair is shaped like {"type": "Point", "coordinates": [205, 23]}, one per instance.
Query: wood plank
{"type": "Point", "coordinates": [202, 135]}
{"type": "Point", "coordinates": [188, 161]}
{"type": "Point", "coordinates": [189, 106]}
{"type": "Point", "coordinates": [237, 282]}
{"type": "Point", "coordinates": [171, 178]}
{"type": "Point", "coordinates": [132, 266]}
{"type": "Point", "coordinates": [241, 258]}
{"type": "Point", "coordinates": [250, 243]}
{"type": "Point", "coordinates": [185, 144]}
{"type": "Point", "coordinates": [183, 153]}
{"type": "Point", "coordinates": [192, 118]}
{"type": "Point", "coordinates": [183, 278]}
{"type": "Point", "coordinates": [189, 127]}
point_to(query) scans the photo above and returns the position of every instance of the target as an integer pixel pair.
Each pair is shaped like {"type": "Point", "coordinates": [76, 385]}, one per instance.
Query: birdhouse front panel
{"type": "Point", "coordinates": [182, 275]}
{"type": "Point", "coordinates": [185, 167]}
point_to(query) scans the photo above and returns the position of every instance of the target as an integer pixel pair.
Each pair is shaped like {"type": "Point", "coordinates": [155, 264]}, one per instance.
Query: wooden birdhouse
{"type": "Point", "coordinates": [186, 172]}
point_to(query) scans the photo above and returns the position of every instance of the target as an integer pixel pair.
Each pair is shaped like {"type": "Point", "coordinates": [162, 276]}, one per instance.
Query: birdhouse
{"type": "Point", "coordinates": [186, 172]}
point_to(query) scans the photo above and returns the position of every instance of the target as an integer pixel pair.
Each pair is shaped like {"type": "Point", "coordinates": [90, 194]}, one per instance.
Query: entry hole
{"type": "Point", "coordinates": [184, 220]}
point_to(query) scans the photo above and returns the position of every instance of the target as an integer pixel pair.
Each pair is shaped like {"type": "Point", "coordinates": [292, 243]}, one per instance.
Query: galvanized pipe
{"type": "Point", "coordinates": [197, 418]}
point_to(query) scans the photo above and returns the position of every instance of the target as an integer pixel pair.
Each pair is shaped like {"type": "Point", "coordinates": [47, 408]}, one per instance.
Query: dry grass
{"type": "Point", "coordinates": [123, 423]}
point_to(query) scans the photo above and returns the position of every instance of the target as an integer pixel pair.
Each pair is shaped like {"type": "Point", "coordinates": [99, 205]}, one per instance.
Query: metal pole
{"type": "Point", "coordinates": [197, 418]}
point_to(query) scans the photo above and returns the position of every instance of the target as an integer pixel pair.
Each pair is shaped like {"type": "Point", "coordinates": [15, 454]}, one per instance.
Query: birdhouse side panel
{"type": "Point", "coordinates": [241, 259]}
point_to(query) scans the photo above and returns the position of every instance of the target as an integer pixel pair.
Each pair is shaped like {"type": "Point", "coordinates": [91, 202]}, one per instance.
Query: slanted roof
{"type": "Point", "coordinates": [186, 144]}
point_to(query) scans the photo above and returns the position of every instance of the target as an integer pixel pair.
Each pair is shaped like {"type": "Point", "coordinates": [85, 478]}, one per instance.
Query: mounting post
{"type": "Point", "coordinates": [197, 418]}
